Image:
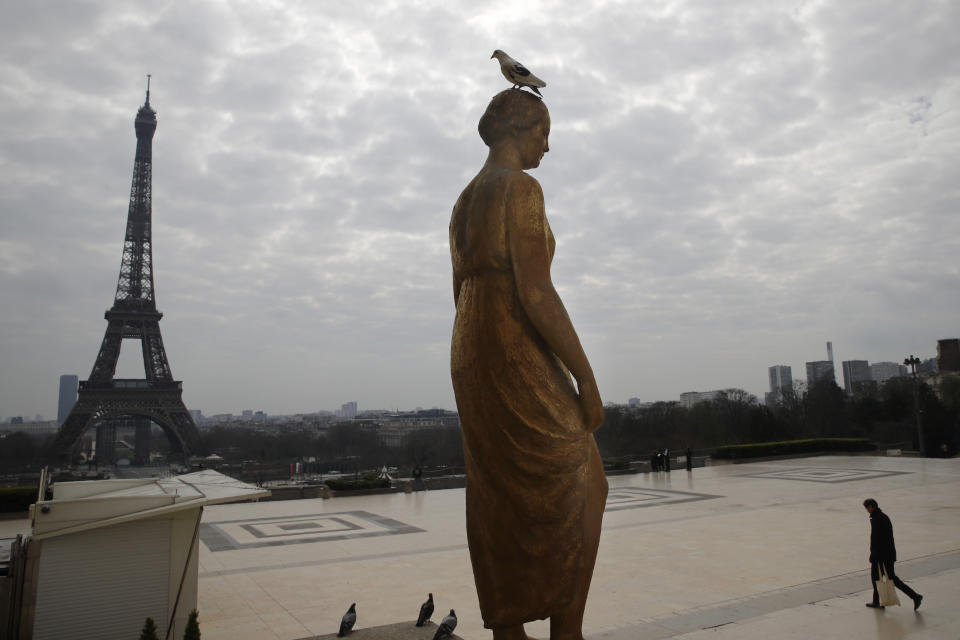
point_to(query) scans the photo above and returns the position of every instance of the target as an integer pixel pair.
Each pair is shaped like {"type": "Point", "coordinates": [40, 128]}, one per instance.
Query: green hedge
{"type": "Point", "coordinates": [616, 464]}
{"type": "Point", "coordinates": [813, 445]}
{"type": "Point", "coordinates": [14, 499]}
{"type": "Point", "coordinates": [364, 483]}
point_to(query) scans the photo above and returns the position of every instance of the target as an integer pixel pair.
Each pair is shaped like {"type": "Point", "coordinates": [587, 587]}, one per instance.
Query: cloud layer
{"type": "Point", "coordinates": [731, 185]}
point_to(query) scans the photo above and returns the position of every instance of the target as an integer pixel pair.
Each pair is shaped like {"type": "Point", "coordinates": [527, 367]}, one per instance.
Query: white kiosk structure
{"type": "Point", "coordinates": [105, 555]}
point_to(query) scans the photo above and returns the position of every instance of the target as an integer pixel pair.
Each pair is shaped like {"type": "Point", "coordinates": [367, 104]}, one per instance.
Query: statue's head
{"type": "Point", "coordinates": [511, 113]}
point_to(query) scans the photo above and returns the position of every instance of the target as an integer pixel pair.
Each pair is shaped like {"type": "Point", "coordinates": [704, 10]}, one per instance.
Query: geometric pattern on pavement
{"type": "Point", "coordinates": [637, 497]}
{"type": "Point", "coordinates": [300, 529]}
{"type": "Point", "coordinates": [823, 474]}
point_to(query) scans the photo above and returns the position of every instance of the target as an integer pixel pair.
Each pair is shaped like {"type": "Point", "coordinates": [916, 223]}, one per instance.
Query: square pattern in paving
{"type": "Point", "coordinates": [636, 497]}
{"type": "Point", "coordinates": [300, 529]}
{"type": "Point", "coordinates": [824, 474]}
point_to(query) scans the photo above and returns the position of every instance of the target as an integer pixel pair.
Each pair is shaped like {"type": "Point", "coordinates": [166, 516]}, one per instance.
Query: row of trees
{"type": "Point", "coordinates": [885, 414]}
{"type": "Point", "coordinates": [345, 447]}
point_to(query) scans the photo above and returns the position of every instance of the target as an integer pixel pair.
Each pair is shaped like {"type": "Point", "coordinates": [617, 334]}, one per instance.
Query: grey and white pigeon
{"type": "Point", "coordinates": [447, 625]}
{"type": "Point", "coordinates": [349, 619]}
{"type": "Point", "coordinates": [426, 610]}
{"type": "Point", "coordinates": [516, 73]}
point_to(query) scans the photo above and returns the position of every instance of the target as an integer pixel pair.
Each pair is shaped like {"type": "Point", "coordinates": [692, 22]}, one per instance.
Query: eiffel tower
{"type": "Point", "coordinates": [157, 397]}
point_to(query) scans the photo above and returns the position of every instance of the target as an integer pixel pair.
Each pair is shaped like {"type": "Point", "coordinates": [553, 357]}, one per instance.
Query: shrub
{"type": "Point", "coordinates": [13, 499]}
{"type": "Point", "coordinates": [616, 464]}
{"type": "Point", "coordinates": [149, 631]}
{"type": "Point", "coordinates": [787, 447]}
{"type": "Point", "coordinates": [363, 483]}
{"type": "Point", "coordinates": [192, 632]}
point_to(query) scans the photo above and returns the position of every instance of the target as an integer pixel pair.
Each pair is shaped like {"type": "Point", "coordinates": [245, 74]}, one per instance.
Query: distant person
{"type": "Point", "coordinates": [883, 553]}
{"type": "Point", "coordinates": [689, 459]}
{"type": "Point", "coordinates": [666, 460]}
{"type": "Point", "coordinates": [418, 479]}
{"type": "Point", "coordinates": [656, 461]}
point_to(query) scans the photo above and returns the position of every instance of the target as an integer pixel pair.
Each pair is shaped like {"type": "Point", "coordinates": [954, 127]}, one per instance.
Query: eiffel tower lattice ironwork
{"type": "Point", "coordinates": [134, 315]}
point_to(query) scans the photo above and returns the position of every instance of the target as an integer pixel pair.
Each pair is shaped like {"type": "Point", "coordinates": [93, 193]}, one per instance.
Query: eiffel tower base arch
{"type": "Point", "coordinates": [162, 406]}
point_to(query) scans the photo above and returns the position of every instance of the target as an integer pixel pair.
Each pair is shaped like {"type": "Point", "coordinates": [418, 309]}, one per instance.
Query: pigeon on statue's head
{"type": "Point", "coordinates": [348, 620]}
{"type": "Point", "coordinates": [426, 610]}
{"type": "Point", "coordinates": [447, 625]}
{"type": "Point", "coordinates": [516, 73]}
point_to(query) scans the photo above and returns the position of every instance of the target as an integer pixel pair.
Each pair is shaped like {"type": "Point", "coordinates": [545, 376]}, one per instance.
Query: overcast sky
{"type": "Point", "coordinates": [731, 184]}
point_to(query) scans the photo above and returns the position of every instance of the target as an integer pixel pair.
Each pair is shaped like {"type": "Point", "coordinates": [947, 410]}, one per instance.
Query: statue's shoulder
{"type": "Point", "coordinates": [521, 180]}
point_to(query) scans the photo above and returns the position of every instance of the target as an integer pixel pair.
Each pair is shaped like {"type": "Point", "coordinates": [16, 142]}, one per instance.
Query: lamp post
{"type": "Point", "coordinates": [912, 362]}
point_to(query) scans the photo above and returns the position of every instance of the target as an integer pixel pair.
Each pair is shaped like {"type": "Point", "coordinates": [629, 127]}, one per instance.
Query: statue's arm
{"type": "Point", "coordinates": [454, 223]}
{"type": "Point", "coordinates": [527, 241]}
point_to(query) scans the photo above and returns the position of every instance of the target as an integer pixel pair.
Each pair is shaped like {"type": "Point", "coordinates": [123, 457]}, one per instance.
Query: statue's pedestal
{"type": "Point", "coordinates": [396, 631]}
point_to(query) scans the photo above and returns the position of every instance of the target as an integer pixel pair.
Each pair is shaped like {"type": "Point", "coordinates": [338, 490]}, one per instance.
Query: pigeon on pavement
{"type": "Point", "coordinates": [426, 610]}
{"type": "Point", "coordinates": [348, 620]}
{"type": "Point", "coordinates": [518, 74]}
{"type": "Point", "coordinates": [447, 626]}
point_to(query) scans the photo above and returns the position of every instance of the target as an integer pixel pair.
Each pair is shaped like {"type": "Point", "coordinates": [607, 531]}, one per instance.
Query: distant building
{"type": "Point", "coordinates": [781, 378]}
{"type": "Point", "coordinates": [33, 428]}
{"type": "Point", "coordinates": [690, 398]}
{"type": "Point", "coordinates": [880, 372]}
{"type": "Point", "coordinates": [197, 415]}
{"type": "Point", "coordinates": [348, 410]}
{"type": "Point", "coordinates": [820, 370]}
{"type": "Point", "coordinates": [855, 371]}
{"type": "Point", "coordinates": [948, 355]}
{"type": "Point", "coordinates": [68, 396]}
{"type": "Point", "coordinates": [393, 429]}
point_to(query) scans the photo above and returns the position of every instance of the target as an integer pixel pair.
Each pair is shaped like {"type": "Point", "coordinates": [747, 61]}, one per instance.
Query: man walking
{"type": "Point", "coordinates": [883, 553]}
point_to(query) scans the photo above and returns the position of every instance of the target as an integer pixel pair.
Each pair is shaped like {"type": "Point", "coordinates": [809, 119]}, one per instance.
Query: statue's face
{"type": "Point", "coordinates": [535, 143]}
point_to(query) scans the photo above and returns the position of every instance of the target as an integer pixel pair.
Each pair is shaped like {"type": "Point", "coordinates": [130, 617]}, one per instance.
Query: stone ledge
{"type": "Point", "coordinates": [396, 631]}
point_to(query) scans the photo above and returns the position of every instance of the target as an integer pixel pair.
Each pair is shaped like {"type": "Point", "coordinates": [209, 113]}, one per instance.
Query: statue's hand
{"type": "Point", "coordinates": [591, 406]}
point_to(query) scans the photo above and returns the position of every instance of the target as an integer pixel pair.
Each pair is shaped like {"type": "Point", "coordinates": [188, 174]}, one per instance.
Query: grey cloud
{"type": "Point", "coordinates": [729, 184]}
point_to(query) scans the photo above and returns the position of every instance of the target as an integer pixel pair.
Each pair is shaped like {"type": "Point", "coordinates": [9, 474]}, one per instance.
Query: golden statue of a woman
{"type": "Point", "coordinates": [535, 483]}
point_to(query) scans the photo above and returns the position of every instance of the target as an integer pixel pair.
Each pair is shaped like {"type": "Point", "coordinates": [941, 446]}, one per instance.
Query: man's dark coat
{"type": "Point", "coordinates": [882, 548]}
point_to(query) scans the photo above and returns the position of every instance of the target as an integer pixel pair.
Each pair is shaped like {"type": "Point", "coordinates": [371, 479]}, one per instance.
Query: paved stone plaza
{"type": "Point", "coordinates": [764, 550]}
{"type": "Point", "coordinates": [773, 549]}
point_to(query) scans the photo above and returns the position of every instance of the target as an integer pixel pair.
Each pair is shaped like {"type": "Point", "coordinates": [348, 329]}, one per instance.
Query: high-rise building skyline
{"type": "Point", "coordinates": [854, 371]}
{"type": "Point", "coordinates": [349, 409]}
{"type": "Point", "coordinates": [781, 377]}
{"type": "Point", "coordinates": [67, 397]}
{"type": "Point", "coordinates": [781, 380]}
{"type": "Point", "coordinates": [948, 355]}
{"type": "Point", "coordinates": [819, 370]}
{"type": "Point", "coordinates": [880, 372]}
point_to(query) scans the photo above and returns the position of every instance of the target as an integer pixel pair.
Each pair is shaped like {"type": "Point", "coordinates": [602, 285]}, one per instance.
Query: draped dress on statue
{"type": "Point", "coordinates": [531, 466]}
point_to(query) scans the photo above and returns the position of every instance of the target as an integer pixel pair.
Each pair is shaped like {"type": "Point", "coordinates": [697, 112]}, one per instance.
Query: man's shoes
{"type": "Point", "coordinates": [874, 605]}
{"type": "Point", "coordinates": [917, 601]}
